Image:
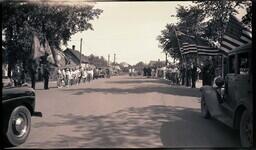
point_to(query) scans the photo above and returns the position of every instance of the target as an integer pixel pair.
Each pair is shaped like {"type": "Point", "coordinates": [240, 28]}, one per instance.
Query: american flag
{"type": "Point", "coordinates": [205, 48]}
{"type": "Point", "coordinates": [236, 35]}
{"type": "Point", "coordinates": [192, 45]}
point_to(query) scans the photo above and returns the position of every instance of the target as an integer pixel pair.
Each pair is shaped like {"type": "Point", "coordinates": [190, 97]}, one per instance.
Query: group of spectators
{"type": "Point", "coordinates": [131, 71]}
{"type": "Point", "coordinates": [185, 74]}
{"type": "Point", "coordinates": [72, 76]}
{"type": "Point", "coordinates": [21, 75]}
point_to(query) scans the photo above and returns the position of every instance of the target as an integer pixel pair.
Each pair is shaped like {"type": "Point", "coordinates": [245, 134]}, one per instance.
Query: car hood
{"type": "Point", "coordinates": [14, 92]}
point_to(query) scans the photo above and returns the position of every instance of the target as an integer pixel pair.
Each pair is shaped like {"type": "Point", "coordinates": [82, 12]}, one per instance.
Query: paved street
{"type": "Point", "coordinates": [124, 111]}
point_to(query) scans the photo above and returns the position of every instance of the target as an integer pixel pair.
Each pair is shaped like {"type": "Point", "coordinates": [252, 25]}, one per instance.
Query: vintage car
{"type": "Point", "coordinates": [229, 100]}
{"type": "Point", "coordinates": [18, 105]}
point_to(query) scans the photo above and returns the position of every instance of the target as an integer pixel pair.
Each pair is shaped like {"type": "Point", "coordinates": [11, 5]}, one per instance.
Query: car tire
{"type": "Point", "coordinates": [246, 129]}
{"type": "Point", "coordinates": [204, 108]}
{"type": "Point", "coordinates": [18, 126]}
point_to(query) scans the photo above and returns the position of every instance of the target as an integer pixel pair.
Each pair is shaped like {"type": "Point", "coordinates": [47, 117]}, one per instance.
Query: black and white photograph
{"type": "Point", "coordinates": [127, 74]}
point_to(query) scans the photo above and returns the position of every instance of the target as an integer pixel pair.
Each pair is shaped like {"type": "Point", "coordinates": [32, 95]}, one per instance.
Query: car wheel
{"type": "Point", "coordinates": [246, 133]}
{"type": "Point", "coordinates": [19, 125]}
{"type": "Point", "coordinates": [204, 108]}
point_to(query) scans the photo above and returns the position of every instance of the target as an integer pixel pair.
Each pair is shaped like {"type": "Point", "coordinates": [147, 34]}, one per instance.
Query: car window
{"type": "Point", "coordinates": [243, 63]}
{"type": "Point", "coordinates": [232, 64]}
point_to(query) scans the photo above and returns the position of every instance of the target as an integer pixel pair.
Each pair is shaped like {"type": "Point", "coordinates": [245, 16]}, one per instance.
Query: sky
{"type": "Point", "coordinates": [127, 29]}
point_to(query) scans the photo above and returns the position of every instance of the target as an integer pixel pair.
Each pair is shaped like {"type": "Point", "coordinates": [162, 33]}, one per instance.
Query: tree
{"type": "Point", "coordinates": [140, 65]}
{"type": "Point", "coordinates": [206, 20]}
{"type": "Point", "coordinates": [191, 20]}
{"type": "Point", "coordinates": [219, 12]}
{"type": "Point", "coordinates": [98, 61]}
{"type": "Point", "coordinates": [54, 22]}
{"type": "Point", "coordinates": [168, 41]}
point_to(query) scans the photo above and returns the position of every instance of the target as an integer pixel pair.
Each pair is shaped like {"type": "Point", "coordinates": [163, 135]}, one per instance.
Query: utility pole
{"type": "Point", "coordinates": [81, 51]}
{"type": "Point", "coordinates": [114, 58]}
{"type": "Point", "coordinates": [108, 59]}
{"type": "Point", "coordinates": [166, 61]}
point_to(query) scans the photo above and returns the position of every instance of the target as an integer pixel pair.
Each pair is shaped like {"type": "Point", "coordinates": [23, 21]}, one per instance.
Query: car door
{"type": "Point", "coordinates": [230, 82]}
{"type": "Point", "coordinates": [242, 78]}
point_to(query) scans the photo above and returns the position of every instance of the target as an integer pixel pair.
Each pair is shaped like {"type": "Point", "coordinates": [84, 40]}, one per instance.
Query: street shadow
{"type": "Point", "coordinates": [173, 90]}
{"type": "Point", "coordinates": [144, 127]}
{"type": "Point", "coordinates": [138, 80]}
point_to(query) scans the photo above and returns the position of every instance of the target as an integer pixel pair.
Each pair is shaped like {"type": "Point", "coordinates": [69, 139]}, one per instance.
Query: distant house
{"type": "Point", "coordinates": [156, 63]}
{"type": "Point", "coordinates": [124, 65]}
{"type": "Point", "coordinates": [73, 56]}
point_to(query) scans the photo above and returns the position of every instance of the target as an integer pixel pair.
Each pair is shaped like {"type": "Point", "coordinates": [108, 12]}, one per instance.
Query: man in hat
{"type": "Point", "coordinates": [193, 75]}
{"type": "Point", "coordinates": [46, 74]}
{"type": "Point", "coordinates": [32, 69]}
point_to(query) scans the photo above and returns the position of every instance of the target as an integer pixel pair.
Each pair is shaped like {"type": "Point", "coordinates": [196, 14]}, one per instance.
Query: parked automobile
{"type": "Point", "coordinates": [18, 105]}
{"type": "Point", "coordinates": [101, 72]}
{"type": "Point", "coordinates": [230, 99]}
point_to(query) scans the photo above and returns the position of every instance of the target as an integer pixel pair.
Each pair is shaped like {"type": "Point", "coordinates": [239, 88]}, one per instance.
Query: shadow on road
{"type": "Point", "coordinates": [153, 126]}
{"type": "Point", "coordinates": [138, 80]}
{"type": "Point", "coordinates": [173, 90]}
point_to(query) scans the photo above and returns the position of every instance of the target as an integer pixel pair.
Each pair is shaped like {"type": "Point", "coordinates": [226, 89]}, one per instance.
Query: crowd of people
{"type": "Point", "coordinates": [20, 75]}
{"type": "Point", "coordinates": [65, 77]}
{"type": "Point", "coordinates": [184, 74]}
{"type": "Point", "coordinates": [73, 76]}
{"type": "Point", "coordinates": [131, 71]}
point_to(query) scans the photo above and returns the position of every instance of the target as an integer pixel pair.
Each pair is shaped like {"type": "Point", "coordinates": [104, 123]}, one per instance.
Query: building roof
{"type": "Point", "coordinates": [75, 56]}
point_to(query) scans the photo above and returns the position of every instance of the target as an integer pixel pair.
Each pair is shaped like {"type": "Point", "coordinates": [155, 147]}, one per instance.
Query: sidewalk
{"type": "Point", "coordinates": [40, 85]}
{"type": "Point", "coordinates": [198, 83]}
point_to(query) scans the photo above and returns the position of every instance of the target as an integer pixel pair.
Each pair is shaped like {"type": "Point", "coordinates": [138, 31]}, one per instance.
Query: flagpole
{"type": "Point", "coordinates": [81, 51]}
{"type": "Point", "coordinates": [178, 43]}
{"type": "Point", "coordinates": [182, 56]}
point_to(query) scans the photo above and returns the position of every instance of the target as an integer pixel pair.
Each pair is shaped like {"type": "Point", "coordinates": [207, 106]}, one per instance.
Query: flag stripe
{"type": "Point", "coordinates": [229, 45]}
{"type": "Point", "coordinates": [236, 35]}
{"type": "Point", "coordinates": [248, 33]}
{"type": "Point", "coordinates": [224, 49]}
{"type": "Point", "coordinates": [208, 54]}
{"type": "Point", "coordinates": [246, 39]}
{"type": "Point", "coordinates": [228, 38]}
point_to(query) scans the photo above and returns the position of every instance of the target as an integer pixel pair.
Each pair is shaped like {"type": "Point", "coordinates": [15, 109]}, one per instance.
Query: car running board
{"type": "Point", "coordinates": [225, 119]}
{"type": "Point", "coordinates": [37, 114]}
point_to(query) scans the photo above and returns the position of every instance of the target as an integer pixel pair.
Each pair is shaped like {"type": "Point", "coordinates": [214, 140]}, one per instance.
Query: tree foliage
{"type": "Point", "coordinates": [190, 20]}
{"type": "Point", "coordinates": [98, 61]}
{"type": "Point", "coordinates": [206, 19]}
{"type": "Point", "coordinates": [219, 12]}
{"type": "Point", "coordinates": [140, 65]}
{"type": "Point", "coordinates": [55, 22]}
{"type": "Point", "coordinates": [168, 42]}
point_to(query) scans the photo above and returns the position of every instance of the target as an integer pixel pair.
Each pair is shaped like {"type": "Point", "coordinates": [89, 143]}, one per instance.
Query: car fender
{"type": "Point", "coordinates": [10, 104]}
{"type": "Point", "coordinates": [242, 105]}
{"type": "Point", "coordinates": [211, 100]}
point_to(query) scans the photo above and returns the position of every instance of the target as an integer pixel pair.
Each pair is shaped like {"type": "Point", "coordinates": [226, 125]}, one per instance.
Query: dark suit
{"type": "Point", "coordinates": [46, 77]}
{"type": "Point", "coordinates": [194, 75]}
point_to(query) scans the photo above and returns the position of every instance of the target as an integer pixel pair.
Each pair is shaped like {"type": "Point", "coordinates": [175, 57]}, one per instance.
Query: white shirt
{"type": "Point", "coordinates": [68, 73]}
{"type": "Point", "coordinates": [85, 74]}
{"type": "Point", "coordinates": [63, 73]}
{"type": "Point", "coordinates": [90, 72]}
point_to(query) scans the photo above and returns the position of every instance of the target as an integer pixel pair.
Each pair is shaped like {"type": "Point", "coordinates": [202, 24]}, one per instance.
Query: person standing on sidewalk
{"type": "Point", "coordinates": [46, 74]}
{"type": "Point", "coordinates": [194, 75]}
{"type": "Point", "coordinates": [32, 69]}
{"type": "Point", "coordinates": [84, 75]}
{"type": "Point", "coordinates": [59, 78]}
{"type": "Point", "coordinates": [68, 77]}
